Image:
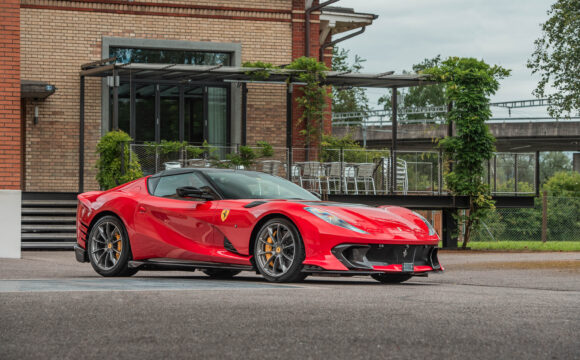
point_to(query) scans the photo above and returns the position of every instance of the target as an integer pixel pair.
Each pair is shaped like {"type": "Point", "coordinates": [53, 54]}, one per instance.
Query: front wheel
{"type": "Point", "coordinates": [279, 251]}
{"type": "Point", "coordinates": [109, 249]}
{"type": "Point", "coordinates": [391, 278]}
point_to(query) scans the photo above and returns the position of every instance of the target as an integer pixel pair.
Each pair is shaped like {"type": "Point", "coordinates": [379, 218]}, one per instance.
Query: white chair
{"type": "Point", "coordinates": [402, 178]}
{"type": "Point", "coordinates": [364, 174]}
{"type": "Point", "coordinates": [312, 173]}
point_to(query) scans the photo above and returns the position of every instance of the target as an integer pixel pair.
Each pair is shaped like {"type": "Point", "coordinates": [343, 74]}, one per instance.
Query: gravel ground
{"type": "Point", "coordinates": [485, 306]}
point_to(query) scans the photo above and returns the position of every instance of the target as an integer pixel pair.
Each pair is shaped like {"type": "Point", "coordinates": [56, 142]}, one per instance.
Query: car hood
{"type": "Point", "coordinates": [392, 221]}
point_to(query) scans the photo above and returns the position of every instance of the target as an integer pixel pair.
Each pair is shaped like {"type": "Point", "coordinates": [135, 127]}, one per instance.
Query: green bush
{"type": "Point", "coordinates": [110, 173]}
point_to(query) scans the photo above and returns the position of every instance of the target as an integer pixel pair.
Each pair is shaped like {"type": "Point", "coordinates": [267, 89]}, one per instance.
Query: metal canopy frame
{"type": "Point", "coordinates": [187, 73]}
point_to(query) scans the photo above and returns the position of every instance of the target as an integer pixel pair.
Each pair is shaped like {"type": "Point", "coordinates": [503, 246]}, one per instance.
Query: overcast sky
{"type": "Point", "coordinates": [408, 31]}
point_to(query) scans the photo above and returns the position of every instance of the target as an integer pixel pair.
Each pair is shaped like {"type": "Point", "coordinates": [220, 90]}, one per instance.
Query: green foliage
{"type": "Point", "coordinates": [246, 156]}
{"type": "Point", "coordinates": [564, 183]}
{"type": "Point", "coordinates": [352, 152]}
{"type": "Point", "coordinates": [262, 74]}
{"type": "Point", "coordinates": [110, 148]}
{"type": "Point", "coordinates": [556, 58]}
{"type": "Point", "coordinates": [314, 100]}
{"type": "Point", "coordinates": [418, 96]}
{"type": "Point", "coordinates": [553, 162]}
{"type": "Point", "coordinates": [349, 99]}
{"type": "Point", "coordinates": [468, 84]}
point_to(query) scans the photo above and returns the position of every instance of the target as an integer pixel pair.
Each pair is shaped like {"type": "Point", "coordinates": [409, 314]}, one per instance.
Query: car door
{"type": "Point", "coordinates": [171, 227]}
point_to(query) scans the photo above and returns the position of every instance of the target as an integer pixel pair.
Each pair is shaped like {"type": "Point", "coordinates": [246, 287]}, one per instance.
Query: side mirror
{"type": "Point", "coordinates": [193, 192]}
{"type": "Point", "coordinates": [316, 194]}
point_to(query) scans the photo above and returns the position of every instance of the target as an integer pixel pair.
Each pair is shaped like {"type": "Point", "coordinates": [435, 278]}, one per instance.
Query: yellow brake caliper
{"type": "Point", "coordinates": [119, 246]}
{"type": "Point", "coordinates": [269, 248]}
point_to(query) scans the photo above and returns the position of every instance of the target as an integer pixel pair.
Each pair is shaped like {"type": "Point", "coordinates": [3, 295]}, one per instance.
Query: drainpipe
{"type": "Point", "coordinates": [307, 24]}
{"type": "Point", "coordinates": [334, 42]}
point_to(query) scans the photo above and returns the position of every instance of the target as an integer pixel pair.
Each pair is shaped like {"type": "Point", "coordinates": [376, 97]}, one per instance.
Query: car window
{"type": "Point", "coordinates": [168, 185]}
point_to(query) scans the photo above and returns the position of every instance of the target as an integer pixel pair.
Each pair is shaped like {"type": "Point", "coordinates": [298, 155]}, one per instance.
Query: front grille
{"type": "Point", "coordinates": [356, 256]}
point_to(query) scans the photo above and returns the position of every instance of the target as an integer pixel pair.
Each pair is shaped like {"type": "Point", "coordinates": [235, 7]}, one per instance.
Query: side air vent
{"type": "Point", "coordinates": [254, 204]}
{"type": "Point", "coordinates": [229, 246]}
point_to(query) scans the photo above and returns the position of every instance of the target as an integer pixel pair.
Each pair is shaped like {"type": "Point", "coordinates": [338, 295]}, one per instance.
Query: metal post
{"type": "Point", "coordinates": [449, 226]}
{"type": "Point", "coordinates": [515, 173]}
{"type": "Point", "coordinates": [537, 174]}
{"type": "Point", "coordinates": [132, 109]}
{"type": "Point", "coordinates": [450, 131]}
{"type": "Point", "coordinates": [545, 216]}
{"type": "Point", "coordinates": [122, 146]}
{"type": "Point", "coordinates": [115, 100]}
{"type": "Point", "coordinates": [289, 89]}
{"type": "Point", "coordinates": [440, 175]}
{"type": "Point", "coordinates": [244, 112]}
{"type": "Point", "coordinates": [494, 173]}
{"type": "Point", "coordinates": [82, 136]}
{"type": "Point", "coordinates": [157, 114]}
{"type": "Point", "coordinates": [394, 140]}
{"type": "Point", "coordinates": [181, 114]}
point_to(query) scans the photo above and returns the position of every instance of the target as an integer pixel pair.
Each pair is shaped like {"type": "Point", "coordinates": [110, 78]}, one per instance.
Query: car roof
{"type": "Point", "coordinates": [190, 170]}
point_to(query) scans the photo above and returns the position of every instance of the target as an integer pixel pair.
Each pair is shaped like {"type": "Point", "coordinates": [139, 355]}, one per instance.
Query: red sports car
{"type": "Point", "coordinates": [226, 221]}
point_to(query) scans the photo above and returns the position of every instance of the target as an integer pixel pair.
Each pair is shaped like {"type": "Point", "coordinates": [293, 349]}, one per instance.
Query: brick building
{"type": "Point", "coordinates": [45, 42]}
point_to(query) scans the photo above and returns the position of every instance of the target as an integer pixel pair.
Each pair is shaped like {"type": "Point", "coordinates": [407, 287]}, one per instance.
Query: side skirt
{"type": "Point", "coordinates": [172, 264]}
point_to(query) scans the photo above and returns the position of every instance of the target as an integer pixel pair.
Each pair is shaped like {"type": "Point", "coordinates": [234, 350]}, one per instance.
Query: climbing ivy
{"type": "Point", "coordinates": [468, 84]}
{"type": "Point", "coordinates": [314, 99]}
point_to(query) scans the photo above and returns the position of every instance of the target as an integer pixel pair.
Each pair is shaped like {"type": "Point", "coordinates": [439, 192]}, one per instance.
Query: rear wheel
{"type": "Point", "coordinates": [221, 273]}
{"type": "Point", "coordinates": [391, 278]}
{"type": "Point", "coordinates": [279, 251]}
{"type": "Point", "coordinates": [108, 248]}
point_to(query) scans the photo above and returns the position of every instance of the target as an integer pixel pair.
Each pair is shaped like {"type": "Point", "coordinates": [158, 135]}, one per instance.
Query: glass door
{"type": "Point", "coordinates": [217, 116]}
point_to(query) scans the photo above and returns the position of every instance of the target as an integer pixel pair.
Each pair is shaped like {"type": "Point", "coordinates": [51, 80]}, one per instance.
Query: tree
{"type": "Point", "coordinates": [351, 99]}
{"type": "Point", "coordinates": [553, 162]}
{"type": "Point", "coordinates": [556, 58]}
{"type": "Point", "coordinates": [468, 85]}
{"type": "Point", "coordinates": [419, 96]}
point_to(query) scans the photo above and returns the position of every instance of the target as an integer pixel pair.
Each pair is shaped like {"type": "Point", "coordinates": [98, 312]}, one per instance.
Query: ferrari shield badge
{"type": "Point", "coordinates": [225, 213]}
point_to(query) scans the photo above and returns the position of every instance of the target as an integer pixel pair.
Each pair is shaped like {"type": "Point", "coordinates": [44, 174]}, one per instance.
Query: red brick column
{"type": "Point", "coordinates": [10, 146]}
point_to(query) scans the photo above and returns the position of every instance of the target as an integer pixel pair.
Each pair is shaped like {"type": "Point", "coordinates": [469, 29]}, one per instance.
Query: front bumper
{"type": "Point", "coordinates": [383, 258]}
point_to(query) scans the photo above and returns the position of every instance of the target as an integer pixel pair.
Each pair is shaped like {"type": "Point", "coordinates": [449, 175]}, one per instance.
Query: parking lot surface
{"type": "Point", "coordinates": [484, 306]}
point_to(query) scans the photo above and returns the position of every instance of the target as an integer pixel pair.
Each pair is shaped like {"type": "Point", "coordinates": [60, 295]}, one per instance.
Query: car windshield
{"type": "Point", "coordinates": [254, 185]}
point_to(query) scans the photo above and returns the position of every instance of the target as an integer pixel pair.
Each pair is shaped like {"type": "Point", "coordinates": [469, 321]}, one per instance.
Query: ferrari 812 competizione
{"type": "Point", "coordinates": [223, 222]}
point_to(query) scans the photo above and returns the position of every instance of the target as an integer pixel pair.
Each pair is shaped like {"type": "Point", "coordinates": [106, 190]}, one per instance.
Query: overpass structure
{"type": "Point", "coordinates": [417, 128]}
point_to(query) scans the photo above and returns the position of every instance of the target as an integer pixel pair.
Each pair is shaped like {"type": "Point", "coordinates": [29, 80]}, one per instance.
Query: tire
{"type": "Point", "coordinates": [108, 248]}
{"type": "Point", "coordinates": [391, 278]}
{"type": "Point", "coordinates": [279, 259]}
{"type": "Point", "coordinates": [221, 273]}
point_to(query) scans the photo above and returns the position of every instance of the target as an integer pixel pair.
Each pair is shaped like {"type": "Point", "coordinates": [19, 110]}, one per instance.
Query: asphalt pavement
{"type": "Point", "coordinates": [484, 306]}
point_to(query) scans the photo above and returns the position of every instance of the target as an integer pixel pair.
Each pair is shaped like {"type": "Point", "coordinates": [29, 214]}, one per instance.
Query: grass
{"type": "Point", "coordinates": [523, 245]}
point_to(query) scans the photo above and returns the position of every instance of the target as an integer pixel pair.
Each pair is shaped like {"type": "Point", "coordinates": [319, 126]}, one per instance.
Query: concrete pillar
{"type": "Point", "coordinates": [576, 162]}
{"type": "Point", "coordinates": [10, 208]}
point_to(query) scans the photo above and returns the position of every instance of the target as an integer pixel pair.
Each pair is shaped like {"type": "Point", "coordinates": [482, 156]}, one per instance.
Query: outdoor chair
{"type": "Point", "coordinates": [312, 173]}
{"type": "Point", "coordinates": [172, 165]}
{"type": "Point", "coordinates": [401, 175]}
{"type": "Point", "coordinates": [271, 167]}
{"type": "Point", "coordinates": [364, 174]}
{"type": "Point", "coordinates": [196, 163]}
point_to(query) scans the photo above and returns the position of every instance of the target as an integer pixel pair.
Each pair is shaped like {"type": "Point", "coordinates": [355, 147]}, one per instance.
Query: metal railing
{"type": "Point", "coordinates": [343, 170]}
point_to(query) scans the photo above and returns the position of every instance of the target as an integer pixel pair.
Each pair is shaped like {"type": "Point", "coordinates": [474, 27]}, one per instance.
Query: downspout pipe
{"type": "Point", "coordinates": [334, 42]}
{"type": "Point", "coordinates": [307, 24]}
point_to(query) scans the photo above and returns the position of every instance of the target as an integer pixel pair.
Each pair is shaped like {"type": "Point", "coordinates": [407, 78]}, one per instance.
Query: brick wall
{"type": "Point", "coordinates": [56, 41]}
{"type": "Point", "coordinates": [10, 145]}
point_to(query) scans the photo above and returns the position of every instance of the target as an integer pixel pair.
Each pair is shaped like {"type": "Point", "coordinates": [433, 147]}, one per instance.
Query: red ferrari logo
{"type": "Point", "coordinates": [225, 214]}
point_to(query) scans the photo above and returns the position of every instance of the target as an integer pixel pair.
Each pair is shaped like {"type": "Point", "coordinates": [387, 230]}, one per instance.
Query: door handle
{"type": "Point", "coordinates": [141, 209]}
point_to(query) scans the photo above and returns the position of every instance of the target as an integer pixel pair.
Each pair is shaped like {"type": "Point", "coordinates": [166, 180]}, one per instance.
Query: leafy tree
{"type": "Point", "coordinates": [418, 96]}
{"type": "Point", "coordinates": [469, 84]}
{"type": "Point", "coordinates": [110, 172]}
{"type": "Point", "coordinates": [553, 162]}
{"type": "Point", "coordinates": [349, 99]}
{"type": "Point", "coordinates": [564, 183]}
{"type": "Point", "coordinates": [556, 58]}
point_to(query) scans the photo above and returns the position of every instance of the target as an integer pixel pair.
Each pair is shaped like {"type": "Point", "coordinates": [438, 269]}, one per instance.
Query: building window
{"type": "Point", "coordinates": [169, 56]}
{"type": "Point", "coordinates": [204, 107]}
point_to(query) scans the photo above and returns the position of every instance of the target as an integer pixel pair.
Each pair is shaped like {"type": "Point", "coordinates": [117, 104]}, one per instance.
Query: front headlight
{"type": "Point", "coordinates": [333, 219]}
{"type": "Point", "coordinates": [429, 226]}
